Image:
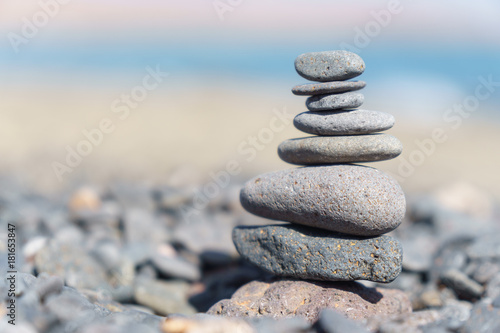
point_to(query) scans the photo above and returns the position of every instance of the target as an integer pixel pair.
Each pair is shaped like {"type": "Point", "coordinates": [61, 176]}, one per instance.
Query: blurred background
{"type": "Point", "coordinates": [127, 129]}
{"type": "Point", "coordinates": [68, 66]}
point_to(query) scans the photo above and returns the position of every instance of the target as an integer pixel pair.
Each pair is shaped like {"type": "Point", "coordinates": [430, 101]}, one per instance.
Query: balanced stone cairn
{"type": "Point", "coordinates": [338, 211]}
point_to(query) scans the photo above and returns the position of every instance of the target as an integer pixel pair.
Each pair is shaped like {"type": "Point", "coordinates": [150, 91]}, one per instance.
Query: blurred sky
{"type": "Point", "coordinates": [428, 52]}
{"type": "Point", "coordinates": [428, 57]}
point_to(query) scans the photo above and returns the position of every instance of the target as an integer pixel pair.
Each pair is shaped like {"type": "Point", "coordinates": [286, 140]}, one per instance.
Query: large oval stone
{"type": "Point", "coordinates": [314, 254]}
{"type": "Point", "coordinates": [340, 149]}
{"type": "Point", "coordinates": [346, 122]}
{"type": "Point", "coordinates": [350, 199]}
{"type": "Point", "coordinates": [329, 65]}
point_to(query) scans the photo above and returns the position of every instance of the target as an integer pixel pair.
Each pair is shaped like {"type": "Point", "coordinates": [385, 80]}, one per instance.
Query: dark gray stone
{"type": "Point", "coordinates": [348, 100]}
{"type": "Point", "coordinates": [351, 199]}
{"type": "Point", "coordinates": [176, 267]}
{"type": "Point", "coordinates": [450, 255]}
{"type": "Point", "coordinates": [314, 254]}
{"type": "Point", "coordinates": [420, 247]}
{"type": "Point", "coordinates": [344, 122]}
{"type": "Point", "coordinates": [327, 87]}
{"type": "Point", "coordinates": [329, 65]}
{"type": "Point", "coordinates": [340, 149]}
{"type": "Point", "coordinates": [464, 287]}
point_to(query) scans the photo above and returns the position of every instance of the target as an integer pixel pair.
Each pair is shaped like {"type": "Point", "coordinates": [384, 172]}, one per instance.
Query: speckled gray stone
{"type": "Point", "coordinates": [346, 122]}
{"type": "Point", "coordinates": [351, 199]}
{"type": "Point", "coordinates": [327, 87]}
{"type": "Point", "coordinates": [348, 100]}
{"type": "Point", "coordinates": [329, 65]}
{"type": "Point", "coordinates": [340, 149]}
{"type": "Point", "coordinates": [315, 254]}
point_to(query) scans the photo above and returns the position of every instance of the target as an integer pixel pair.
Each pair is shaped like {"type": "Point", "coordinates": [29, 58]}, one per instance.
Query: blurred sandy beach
{"type": "Point", "coordinates": [173, 131]}
{"type": "Point", "coordinates": [227, 78]}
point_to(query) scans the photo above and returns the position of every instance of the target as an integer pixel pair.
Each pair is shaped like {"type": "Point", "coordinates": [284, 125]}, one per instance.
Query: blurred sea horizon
{"type": "Point", "coordinates": [226, 76]}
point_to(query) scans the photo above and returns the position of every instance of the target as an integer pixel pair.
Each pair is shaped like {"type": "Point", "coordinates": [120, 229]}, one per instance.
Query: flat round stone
{"type": "Point", "coordinates": [350, 199]}
{"type": "Point", "coordinates": [329, 65]}
{"type": "Point", "coordinates": [327, 87]}
{"type": "Point", "coordinates": [316, 150]}
{"type": "Point", "coordinates": [348, 100]}
{"type": "Point", "coordinates": [346, 122]}
{"type": "Point", "coordinates": [315, 254]}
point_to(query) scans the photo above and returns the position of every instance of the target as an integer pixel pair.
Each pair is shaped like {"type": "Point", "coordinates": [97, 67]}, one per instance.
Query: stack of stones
{"type": "Point", "coordinates": [338, 211]}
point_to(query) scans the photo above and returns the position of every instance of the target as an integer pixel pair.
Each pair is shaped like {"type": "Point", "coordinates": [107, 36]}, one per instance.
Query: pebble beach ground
{"type": "Point", "coordinates": [125, 259]}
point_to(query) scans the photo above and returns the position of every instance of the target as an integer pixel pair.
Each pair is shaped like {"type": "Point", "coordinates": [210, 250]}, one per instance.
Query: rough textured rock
{"type": "Point", "coordinates": [327, 87]}
{"type": "Point", "coordinates": [315, 254]}
{"type": "Point", "coordinates": [286, 298]}
{"type": "Point", "coordinates": [350, 199]}
{"type": "Point", "coordinates": [340, 149]}
{"type": "Point", "coordinates": [346, 122]}
{"type": "Point", "coordinates": [340, 101]}
{"type": "Point", "coordinates": [329, 65]}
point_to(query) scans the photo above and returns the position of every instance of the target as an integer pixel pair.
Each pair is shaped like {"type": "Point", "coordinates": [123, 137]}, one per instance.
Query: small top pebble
{"type": "Point", "coordinates": [329, 65]}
